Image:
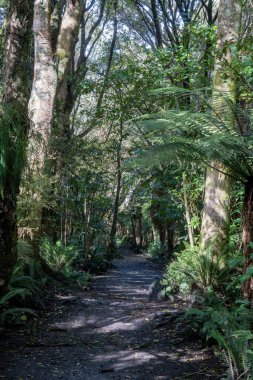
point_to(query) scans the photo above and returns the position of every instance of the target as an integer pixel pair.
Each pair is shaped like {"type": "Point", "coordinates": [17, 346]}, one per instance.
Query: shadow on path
{"type": "Point", "coordinates": [109, 332]}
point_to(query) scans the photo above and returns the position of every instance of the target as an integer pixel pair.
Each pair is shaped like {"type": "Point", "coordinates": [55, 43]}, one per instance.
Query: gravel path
{"type": "Point", "coordinates": [110, 332]}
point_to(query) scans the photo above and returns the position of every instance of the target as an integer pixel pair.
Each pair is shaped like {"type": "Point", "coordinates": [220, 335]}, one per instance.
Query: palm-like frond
{"type": "Point", "coordinates": [201, 136]}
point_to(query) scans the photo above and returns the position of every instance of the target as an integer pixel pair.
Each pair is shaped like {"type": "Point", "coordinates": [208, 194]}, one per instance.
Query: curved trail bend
{"type": "Point", "coordinates": [111, 332]}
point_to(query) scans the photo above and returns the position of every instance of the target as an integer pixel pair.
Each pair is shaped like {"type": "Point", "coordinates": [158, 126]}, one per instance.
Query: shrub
{"type": "Point", "coordinates": [154, 250]}
{"type": "Point", "coordinates": [26, 264]}
{"type": "Point", "coordinates": [192, 269]}
{"type": "Point", "coordinates": [84, 280]}
{"type": "Point", "coordinates": [58, 256]}
{"type": "Point", "coordinates": [230, 328]}
{"type": "Point", "coordinates": [9, 314]}
{"type": "Point", "coordinates": [98, 261]}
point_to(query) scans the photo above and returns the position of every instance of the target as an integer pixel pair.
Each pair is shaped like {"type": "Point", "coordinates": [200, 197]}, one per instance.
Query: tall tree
{"type": "Point", "coordinates": [55, 35]}
{"type": "Point", "coordinates": [112, 245]}
{"type": "Point", "coordinates": [216, 213]}
{"type": "Point", "coordinates": [68, 100]}
{"type": "Point", "coordinates": [13, 129]}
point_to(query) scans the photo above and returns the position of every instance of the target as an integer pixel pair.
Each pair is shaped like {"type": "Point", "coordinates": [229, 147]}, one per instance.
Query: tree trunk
{"type": "Point", "coordinates": [138, 230]}
{"type": "Point", "coordinates": [41, 105]}
{"type": "Point", "coordinates": [162, 237]}
{"type": "Point", "coordinates": [158, 33]}
{"type": "Point", "coordinates": [112, 246]}
{"type": "Point", "coordinates": [49, 75]}
{"type": "Point", "coordinates": [110, 59]}
{"type": "Point", "coordinates": [187, 213]}
{"type": "Point", "coordinates": [170, 237]}
{"type": "Point", "coordinates": [158, 222]}
{"type": "Point", "coordinates": [216, 213]}
{"type": "Point", "coordinates": [67, 96]}
{"type": "Point", "coordinates": [248, 236]}
{"type": "Point", "coordinates": [14, 129]}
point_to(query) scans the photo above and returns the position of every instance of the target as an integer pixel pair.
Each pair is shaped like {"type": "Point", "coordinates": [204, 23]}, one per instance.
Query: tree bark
{"type": "Point", "coordinates": [159, 40]}
{"type": "Point", "coordinates": [216, 213]}
{"type": "Point", "coordinates": [248, 237]}
{"type": "Point", "coordinates": [49, 75]}
{"type": "Point", "coordinates": [13, 130]}
{"type": "Point", "coordinates": [110, 58]}
{"type": "Point", "coordinates": [67, 38]}
{"type": "Point", "coordinates": [67, 95]}
{"type": "Point", "coordinates": [41, 104]}
{"type": "Point", "coordinates": [187, 213]}
{"type": "Point", "coordinates": [138, 235]}
{"type": "Point", "coordinates": [170, 236]}
{"type": "Point", "coordinates": [112, 246]}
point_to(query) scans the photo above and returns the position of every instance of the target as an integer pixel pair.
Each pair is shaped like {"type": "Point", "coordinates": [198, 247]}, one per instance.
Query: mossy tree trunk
{"type": "Point", "coordinates": [216, 214]}
{"type": "Point", "coordinates": [13, 129]}
{"type": "Point", "coordinates": [68, 96]}
{"type": "Point", "coordinates": [54, 47]}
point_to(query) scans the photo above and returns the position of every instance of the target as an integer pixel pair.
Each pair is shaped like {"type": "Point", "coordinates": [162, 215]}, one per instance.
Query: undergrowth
{"type": "Point", "coordinates": [28, 283]}
{"type": "Point", "coordinates": [220, 314]}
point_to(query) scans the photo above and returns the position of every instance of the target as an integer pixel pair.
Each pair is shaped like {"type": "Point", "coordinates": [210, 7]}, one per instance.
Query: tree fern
{"type": "Point", "coordinates": [199, 135]}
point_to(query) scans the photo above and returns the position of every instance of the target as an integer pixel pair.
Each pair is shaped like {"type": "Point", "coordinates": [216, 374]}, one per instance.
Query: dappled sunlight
{"type": "Point", "coordinates": [125, 359]}
{"type": "Point", "coordinates": [114, 332]}
{"type": "Point", "coordinates": [100, 324]}
{"type": "Point", "coordinates": [126, 189]}
{"type": "Point", "coordinates": [119, 326]}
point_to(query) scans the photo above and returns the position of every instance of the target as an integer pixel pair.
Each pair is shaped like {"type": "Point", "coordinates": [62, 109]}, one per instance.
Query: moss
{"type": "Point", "coordinates": [62, 54]}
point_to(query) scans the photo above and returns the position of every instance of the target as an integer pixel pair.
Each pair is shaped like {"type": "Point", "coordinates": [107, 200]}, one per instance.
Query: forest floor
{"type": "Point", "coordinates": [110, 332]}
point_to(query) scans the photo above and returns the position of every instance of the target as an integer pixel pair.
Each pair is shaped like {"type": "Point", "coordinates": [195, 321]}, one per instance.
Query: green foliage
{"type": "Point", "coordinates": [12, 147]}
{"type": "Point", "coordinates": [220, 314]}
{"type": "Point", "coordinates": [98, 261]}
{"type": "Point", "coordinates": [154, 249]}
{"type": "Point", "coordinates": [176, 280]}
{"type": "Point", "coordinates": [230, 327]}
{"type": "Point", "coordinates": [26, 264]}
{"type": "Point", "coordinates": [27, 283]}
{"type": "Point", "coordinates": [193, 269]}
{"type": "Point", "coordinates": [10, 313]}
{"type": "Point", "coordinates": [57, 256]}
{"type": "Point", "coordinates": [199, 136]}
{"type": "Point", "coordinates": [237, 196]}
{"type": "Point", "coordinates": [84, 280]}
{"type": "Point", "coordinates": [121, 241]}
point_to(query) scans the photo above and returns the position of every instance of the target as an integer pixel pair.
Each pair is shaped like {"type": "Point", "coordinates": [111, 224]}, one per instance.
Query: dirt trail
{"type": "Point", "coordinates": [109, 332]}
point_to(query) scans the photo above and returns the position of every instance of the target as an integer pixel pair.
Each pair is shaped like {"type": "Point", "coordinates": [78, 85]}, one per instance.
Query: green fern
{"type": "Point", "coordinates": [15, 314]}
{"type": "Point", "coordinates": [199, 136]}
{"type": "Point", "coordinates": [230, 328]}
{"type": "Point", "coordinates": [21, 292]}
{"type": "Point", "coordinates": [25, 282]}
{"type": "Point", "coordinates": [197, 270]}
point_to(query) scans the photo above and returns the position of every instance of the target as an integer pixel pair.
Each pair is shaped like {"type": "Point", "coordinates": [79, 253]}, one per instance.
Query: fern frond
{"type": "Point", "coordinates": [13, 293]}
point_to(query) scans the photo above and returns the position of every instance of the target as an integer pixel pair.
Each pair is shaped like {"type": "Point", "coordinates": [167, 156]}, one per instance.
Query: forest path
{"type": "Point", "coordinates": [109, 332]}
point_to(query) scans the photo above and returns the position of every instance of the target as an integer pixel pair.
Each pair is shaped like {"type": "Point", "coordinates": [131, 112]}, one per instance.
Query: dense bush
{"type": "Point", "coordinates": [230, 327]}
{"type": "Point", "coordinates": [154, 249]}
{"type": "Point", "coordinates": [220, 314]}
{"type": "Point", "coordinates": [58, 256]}
{"type": "Point", "coordinates": [192, 269]}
